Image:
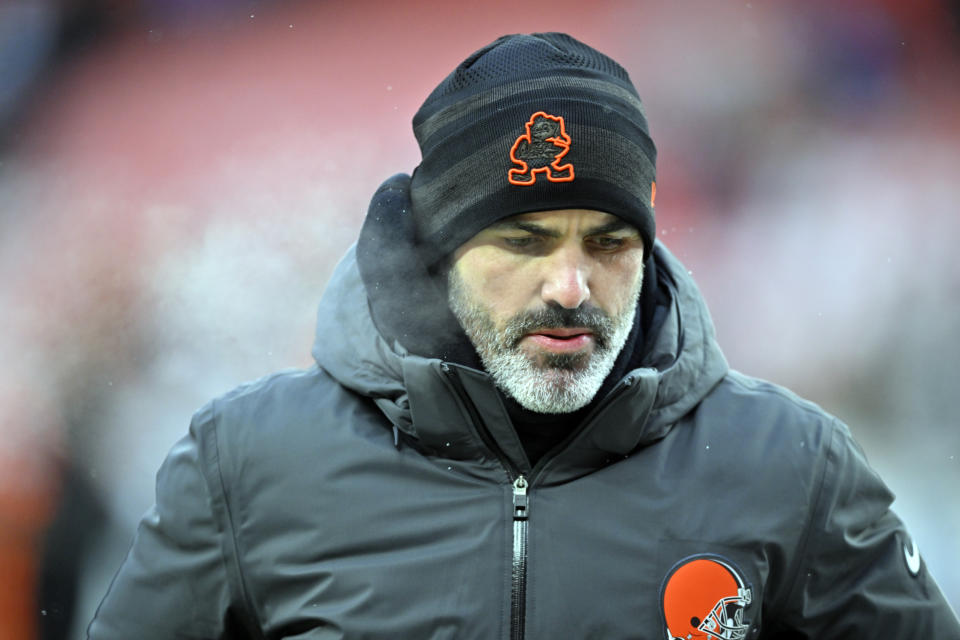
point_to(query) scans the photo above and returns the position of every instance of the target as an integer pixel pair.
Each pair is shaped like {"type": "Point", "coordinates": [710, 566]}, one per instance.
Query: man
{"type": "Point", "coordinates": [520, 424]}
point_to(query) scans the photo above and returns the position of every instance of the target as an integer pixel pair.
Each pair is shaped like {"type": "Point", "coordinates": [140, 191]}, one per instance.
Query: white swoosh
{"type": "Point", "coordinates": [912, 556]}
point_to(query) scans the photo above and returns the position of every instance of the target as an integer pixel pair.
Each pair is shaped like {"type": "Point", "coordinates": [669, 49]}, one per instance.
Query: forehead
{"type": "Point", "coordinates": [582, 220]}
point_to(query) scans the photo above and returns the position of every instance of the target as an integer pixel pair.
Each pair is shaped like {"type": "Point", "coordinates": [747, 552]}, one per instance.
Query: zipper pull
{"type": "Point", "coordinates": [521, 505]}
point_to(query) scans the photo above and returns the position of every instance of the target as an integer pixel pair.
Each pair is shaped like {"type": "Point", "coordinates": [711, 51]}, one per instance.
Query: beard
{"type": "Point", "coordinates": [542, 381]}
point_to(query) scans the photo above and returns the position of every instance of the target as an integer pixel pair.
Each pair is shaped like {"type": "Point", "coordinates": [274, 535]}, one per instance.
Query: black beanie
{"type": "Point", "coordinates": [530, 123]}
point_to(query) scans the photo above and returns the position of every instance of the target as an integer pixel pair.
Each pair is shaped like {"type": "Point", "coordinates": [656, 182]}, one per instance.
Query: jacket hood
{"type": "Point", "coordinates": [682, 360]}
{"type": "Point", "coordinates": [683, 356]}
{"type": "Point", "coordinates": [350, 348]}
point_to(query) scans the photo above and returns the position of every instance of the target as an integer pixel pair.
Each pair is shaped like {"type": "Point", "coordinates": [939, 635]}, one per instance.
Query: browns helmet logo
{"type": "Point", "coordinates": [540, 150]}
{"type": "Point", "coordinates": [704, 598]}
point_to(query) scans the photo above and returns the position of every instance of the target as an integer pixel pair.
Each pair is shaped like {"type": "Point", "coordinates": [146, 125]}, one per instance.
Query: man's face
{"type": "Point", "coordinates": [548, 300]}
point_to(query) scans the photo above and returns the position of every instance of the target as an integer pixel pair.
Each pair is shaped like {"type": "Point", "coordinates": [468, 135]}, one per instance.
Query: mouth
{"type": "Point", "coordinates": [561, 340]}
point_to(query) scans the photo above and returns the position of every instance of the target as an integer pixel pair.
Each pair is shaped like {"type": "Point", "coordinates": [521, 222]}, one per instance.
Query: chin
{"type": "Point", "coordinates": [547, 361]}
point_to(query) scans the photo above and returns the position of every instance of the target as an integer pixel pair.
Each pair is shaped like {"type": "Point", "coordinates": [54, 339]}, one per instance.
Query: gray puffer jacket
{"type": "Point", "coordinates": [385, 495]}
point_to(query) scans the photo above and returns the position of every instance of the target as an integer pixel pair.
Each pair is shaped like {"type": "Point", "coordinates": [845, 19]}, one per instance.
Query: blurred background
{"type": "Point", "coordinates": [178, 179]}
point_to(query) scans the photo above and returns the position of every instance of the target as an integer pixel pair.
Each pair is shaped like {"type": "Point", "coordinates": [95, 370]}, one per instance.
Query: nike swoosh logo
{"type": "Point", "coordinates": [912, 555]}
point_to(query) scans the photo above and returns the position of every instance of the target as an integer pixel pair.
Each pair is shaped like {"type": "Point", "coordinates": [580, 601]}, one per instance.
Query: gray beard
{"type": "Point", "coordinates": [544, 383]}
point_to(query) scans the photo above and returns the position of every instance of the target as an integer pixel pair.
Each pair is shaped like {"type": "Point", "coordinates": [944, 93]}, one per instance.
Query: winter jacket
{"type": "Point", "coordinates": [381, 494]}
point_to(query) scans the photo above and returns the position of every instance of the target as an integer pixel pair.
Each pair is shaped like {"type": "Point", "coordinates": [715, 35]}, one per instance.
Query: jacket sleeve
{"type": "Point", "coordinates": [861, 575]}
{"type": "Point", "coordinates": [174, 580]}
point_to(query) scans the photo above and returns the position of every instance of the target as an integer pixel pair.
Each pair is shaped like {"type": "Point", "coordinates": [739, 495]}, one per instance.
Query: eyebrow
{"type": "Point", "coordinates": [539, 230]}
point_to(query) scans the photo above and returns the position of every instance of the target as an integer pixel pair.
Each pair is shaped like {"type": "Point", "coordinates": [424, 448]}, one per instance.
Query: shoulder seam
{"type": "Point", "coordinates": [233, 550]}
{"type": "Point", "coordinates": [792, 575]}
{"type": "Point", "coordinates": [253, 386]}
{"type": "Point", "coordinates": [771, 388]}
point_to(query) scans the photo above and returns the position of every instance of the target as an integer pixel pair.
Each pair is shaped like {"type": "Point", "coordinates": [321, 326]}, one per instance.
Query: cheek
{"type": "Point", "coordinates": [503, 291]}
{"type": "Point", "coordinates": [616, 289]}
{"type": "Point", "coordinates": [493, 286]}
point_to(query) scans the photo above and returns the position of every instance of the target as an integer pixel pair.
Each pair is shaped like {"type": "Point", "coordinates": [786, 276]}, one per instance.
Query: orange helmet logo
{"type": "Point", "coordinates": [703, 598]}
{"type": "Point", "coordinates": [540, 150]}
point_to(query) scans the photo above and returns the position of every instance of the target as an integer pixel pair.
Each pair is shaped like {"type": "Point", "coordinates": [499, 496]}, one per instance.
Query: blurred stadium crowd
{"type": "Point", "coordinates": [177, 180]}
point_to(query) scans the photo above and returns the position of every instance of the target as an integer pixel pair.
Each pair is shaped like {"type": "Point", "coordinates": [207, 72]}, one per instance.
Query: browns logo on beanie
{"type": "Point", "coordinates": [530, 123]}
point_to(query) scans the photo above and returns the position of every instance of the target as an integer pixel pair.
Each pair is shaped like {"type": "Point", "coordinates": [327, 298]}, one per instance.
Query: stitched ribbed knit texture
{"type": "Point", "coordinates": [530, 123]}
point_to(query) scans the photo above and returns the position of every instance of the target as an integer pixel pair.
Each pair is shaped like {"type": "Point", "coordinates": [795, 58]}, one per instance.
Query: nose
{"type": "Point", "coordinates": [565, 279]}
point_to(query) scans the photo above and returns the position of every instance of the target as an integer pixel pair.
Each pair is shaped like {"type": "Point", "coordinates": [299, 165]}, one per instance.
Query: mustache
{"type": "Point", "coordinates": [554, 316]}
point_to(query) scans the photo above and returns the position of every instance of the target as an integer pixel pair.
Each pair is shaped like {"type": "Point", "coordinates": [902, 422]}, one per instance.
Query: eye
{"type": "Point", "coordinates": [521, 242]}
{"type": "Point", "coordinates": [607, 243]}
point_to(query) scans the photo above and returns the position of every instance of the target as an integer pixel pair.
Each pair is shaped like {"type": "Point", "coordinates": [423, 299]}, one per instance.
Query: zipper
{"type": "Point", "coordinates": [521, 511]}
{"type": "Point", "coordinates": [518, 580]}
{"type": "Point", "coordinates": [521, 500]}
{"type": "Point", "coordinates": [521, 514]}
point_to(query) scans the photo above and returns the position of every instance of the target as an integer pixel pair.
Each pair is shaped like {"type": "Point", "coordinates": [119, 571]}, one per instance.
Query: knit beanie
{"type": "Point", "coordinates": [530, 123]}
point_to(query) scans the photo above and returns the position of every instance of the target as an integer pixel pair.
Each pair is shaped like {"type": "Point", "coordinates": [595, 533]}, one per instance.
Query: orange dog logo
{"type": "Point", "coordinates": [540, 150]}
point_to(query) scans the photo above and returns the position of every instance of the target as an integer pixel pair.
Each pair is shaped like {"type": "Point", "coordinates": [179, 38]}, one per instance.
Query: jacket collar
{"type": "Point", "coordinates": [454, 411]}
